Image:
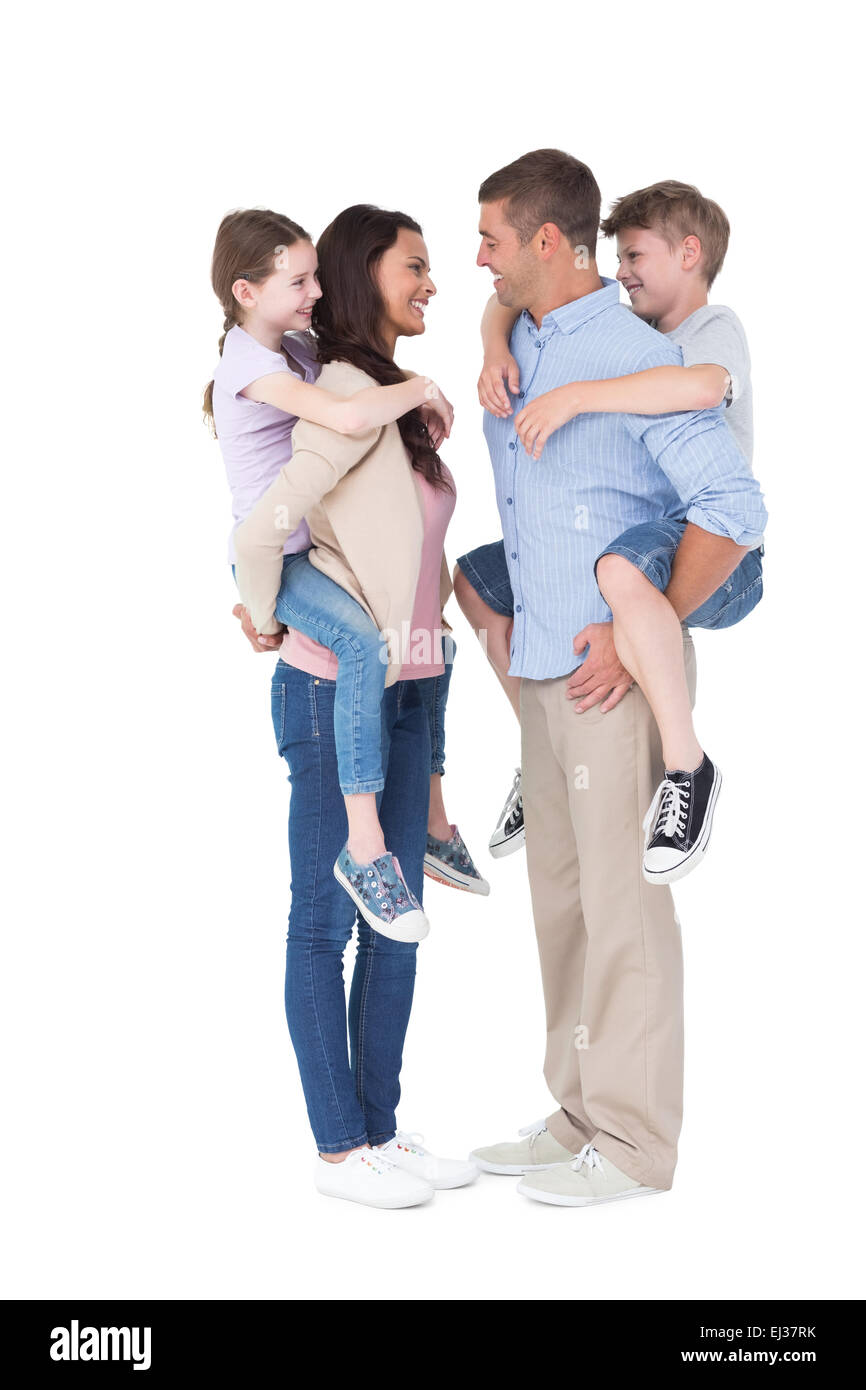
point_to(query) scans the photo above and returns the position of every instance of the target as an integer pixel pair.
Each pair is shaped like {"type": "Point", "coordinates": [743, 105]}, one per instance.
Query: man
{"type": "Point", "coordinates": [609, 942]}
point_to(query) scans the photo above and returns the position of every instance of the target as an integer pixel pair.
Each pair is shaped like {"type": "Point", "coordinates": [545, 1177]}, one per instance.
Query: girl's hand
{"type": "Point", "coordinates": [491, 392]}
{"type": "Point", "coordinates": [537, 421]}
{"type": "Point", "coordinates": [437, 412]}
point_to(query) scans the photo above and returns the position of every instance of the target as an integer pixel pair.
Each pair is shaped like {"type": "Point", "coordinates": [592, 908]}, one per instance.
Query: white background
{"type": "Point", "coordinates": [156, 1138]}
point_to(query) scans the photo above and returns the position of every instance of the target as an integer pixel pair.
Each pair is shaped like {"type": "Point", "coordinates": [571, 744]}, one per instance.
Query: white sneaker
{"type": "Point", "coordinates": [405, 1150]}
{"type": "Point", "coordinates": [368, 1177]}
{"type": "Point", "coordinates": [587, 1180]}
{"type": "Point", "coordinates": [537, 1151]}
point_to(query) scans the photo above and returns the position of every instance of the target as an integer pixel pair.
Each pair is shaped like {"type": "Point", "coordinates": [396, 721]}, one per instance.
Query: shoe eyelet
{"type": "Point", "coordinates": [369, 873]}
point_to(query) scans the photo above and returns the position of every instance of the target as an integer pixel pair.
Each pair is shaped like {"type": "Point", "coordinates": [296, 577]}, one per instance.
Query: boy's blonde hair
{"type": "Point", "coordinates": [675, 210]}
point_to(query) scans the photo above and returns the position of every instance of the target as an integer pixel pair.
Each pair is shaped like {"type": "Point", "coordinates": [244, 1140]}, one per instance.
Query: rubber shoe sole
{"type": "Point", "coordinates": [509, 846]}
{"type": "Point", "coordinates": [698, 850]}
{"type": "Point", "coordinates": [434, 868]}
{"type": "Point", "coordinates": [558, 1199]}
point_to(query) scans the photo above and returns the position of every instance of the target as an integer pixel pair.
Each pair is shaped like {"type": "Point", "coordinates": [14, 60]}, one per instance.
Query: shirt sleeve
{"type": "Point", "coordinates": [720, 339]}
{"type": "Point", "coordinates": [320, 458]}
{"type": "Point", "coordinates": [700, 457]}
{"type": "Point", "coordinates": [247, 365]}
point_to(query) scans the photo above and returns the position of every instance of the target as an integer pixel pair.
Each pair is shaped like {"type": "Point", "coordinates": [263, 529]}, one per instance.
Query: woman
{"type": "Point", "coordinates": [375, 280]}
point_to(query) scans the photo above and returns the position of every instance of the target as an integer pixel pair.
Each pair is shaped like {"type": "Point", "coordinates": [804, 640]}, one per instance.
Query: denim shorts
{"type": "Point", "coordinates": [487, 572]}
{"type": "Point", "coordinates": [650, 546]}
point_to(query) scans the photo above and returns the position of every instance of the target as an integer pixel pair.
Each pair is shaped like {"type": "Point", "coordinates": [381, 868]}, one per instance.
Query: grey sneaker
{"type": "Point", "coordinates": [588, 1179]}
{"type": "Point", "coordinates": [382, 896]}
{"type": "Point", "coordinates": [537, 1151]}
{"type": "Point", "coordinates": [449, 862]}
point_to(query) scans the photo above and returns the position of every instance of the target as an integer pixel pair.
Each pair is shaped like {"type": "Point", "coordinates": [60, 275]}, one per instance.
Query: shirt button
{"type": "Point", "coordinates": [538, 342]}
{"type": "Point", "coordinates": [508, 500]}
{"type": "Point", "coordinates": [512, 445]}
{"type": "Point", "coordinates": [518, 609]}
{"type": "Point", "coordinates": [521, 394]}
{"type": "Point", "coordinates": [514, 554]}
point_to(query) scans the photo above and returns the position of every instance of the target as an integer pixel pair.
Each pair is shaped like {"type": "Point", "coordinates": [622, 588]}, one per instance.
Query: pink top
{"type": "Point", "coordinates": [422, 646]}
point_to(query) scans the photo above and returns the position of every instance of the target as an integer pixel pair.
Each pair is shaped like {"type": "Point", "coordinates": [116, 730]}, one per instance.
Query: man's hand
{"type": "Point", "coordinates": [602, 674]}
{"type": "Point", "coordinates": [491, 392]}
{"type": "Point", "coordinates": [258, 644]}
{"type": "Point", "coordinates": [537, 421]}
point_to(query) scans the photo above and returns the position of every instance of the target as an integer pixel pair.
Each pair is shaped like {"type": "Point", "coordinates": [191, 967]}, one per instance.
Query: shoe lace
{"type": "Point", "coordinates": [590, 1156]}
{"type": "Point", "coordinates": [533, 1131]}
{"type": "Point", "coordinates": [413, 1140]}
{"type": "Point", "coordinates": [668, 812]}
{"type": "Point", "coordinates": [512, 799]}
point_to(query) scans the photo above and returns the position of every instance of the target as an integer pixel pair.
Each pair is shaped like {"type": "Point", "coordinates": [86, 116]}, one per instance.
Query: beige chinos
{"type": "Point", "coordinates": [609, 942]}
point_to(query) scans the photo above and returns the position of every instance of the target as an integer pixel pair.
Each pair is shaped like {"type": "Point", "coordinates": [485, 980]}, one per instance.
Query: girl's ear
{"type": "Point", "coordinates": [243, 293]}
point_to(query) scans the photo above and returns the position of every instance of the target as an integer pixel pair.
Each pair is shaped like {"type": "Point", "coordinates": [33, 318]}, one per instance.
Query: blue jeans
{"type": "Point", "coordinates": [650, 546]}
{"type": "Point", "coordinates": [351, 1091]}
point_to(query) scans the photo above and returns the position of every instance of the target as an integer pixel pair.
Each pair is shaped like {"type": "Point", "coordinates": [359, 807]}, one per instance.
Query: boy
{"type": "Point", "coordinates": [671, 244]}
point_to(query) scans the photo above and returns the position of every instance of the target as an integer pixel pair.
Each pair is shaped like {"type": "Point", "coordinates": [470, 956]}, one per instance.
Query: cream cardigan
{"type": "Point", "coordinates": [360, 495]}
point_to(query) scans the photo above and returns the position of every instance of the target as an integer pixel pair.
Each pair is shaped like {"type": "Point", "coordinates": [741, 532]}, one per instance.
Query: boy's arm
{"type": "Point", "coordinates": [700, 457]}
{"type": "Point", "coordinates": [320, 459]}
{"type": "Point", "coordinates": [496, 325]}
{"type": "Point", "coordinates": [367, 409]}
{"type": "Point", "coordinates": [655, 391]}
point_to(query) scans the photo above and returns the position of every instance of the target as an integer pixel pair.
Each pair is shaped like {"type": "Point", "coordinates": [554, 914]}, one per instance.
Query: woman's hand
{"type": "Point", "coordinates": [491, 392]}
{"type": "Point", "coordinates": [258, 643]}
{"type": "Point", "coordinates": [537, 421]}
{"type": "Point", "coordinates": [437, 412]}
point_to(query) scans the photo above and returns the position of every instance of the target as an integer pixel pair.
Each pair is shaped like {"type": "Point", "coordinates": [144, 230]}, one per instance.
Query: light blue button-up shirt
{"type": "Point", "coordinates": [600, 474]}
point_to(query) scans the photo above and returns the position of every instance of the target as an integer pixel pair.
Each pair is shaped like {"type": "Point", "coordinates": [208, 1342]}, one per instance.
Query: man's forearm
{"type": "Point", "coordinates": [702, 562]}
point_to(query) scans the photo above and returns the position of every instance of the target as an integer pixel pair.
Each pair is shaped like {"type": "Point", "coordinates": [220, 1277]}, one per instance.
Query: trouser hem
{"type": "Point", "coordinates": [381, 1138]}
{"type": "Point", "coordinates": [342, 1146]}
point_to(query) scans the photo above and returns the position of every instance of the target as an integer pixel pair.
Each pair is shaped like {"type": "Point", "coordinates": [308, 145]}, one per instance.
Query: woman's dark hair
{"type": "Point", "coordinates": [348, 318]}
{"type": "Point", "coordinates": [249, 244]}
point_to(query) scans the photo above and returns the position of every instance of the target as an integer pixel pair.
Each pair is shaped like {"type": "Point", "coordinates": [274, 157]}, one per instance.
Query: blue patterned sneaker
{"type": "Point", "coordinates": [382, 896]}
{"type": "Point", "coordinates": [449, 861]}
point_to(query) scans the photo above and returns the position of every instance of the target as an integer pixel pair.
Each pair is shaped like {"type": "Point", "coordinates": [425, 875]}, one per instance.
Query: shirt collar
{"type": "Point", "coordinates": [568, 317]}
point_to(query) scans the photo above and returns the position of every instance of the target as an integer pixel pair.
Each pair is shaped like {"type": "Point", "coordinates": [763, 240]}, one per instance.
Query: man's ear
{"type": "Point", "coordinates": [548, 238]}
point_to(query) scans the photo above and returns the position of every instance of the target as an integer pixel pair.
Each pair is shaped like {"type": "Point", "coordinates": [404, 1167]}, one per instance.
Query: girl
{"type": "Point", "coordinates": [264, 272]}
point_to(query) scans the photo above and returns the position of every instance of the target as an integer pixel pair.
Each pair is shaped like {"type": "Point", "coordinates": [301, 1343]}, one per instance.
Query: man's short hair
{"type": "Point", "coordinates": [675, 210]}
{"type": "Point", "coordinates": [547, 186]}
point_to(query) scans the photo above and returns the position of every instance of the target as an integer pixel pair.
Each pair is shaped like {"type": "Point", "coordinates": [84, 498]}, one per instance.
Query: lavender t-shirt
{"type": "Point", "coordinates": [256, 438]}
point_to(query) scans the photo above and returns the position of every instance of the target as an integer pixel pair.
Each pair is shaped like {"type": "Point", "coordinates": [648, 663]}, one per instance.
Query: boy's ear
{"type": "Point", "coordinates": [691, 251]}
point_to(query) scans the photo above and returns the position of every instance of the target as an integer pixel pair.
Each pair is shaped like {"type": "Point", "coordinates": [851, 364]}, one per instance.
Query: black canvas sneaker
{"type": "Point", "coordinates": [509, 834]}
{"type": "Point", "coordinates": [679, 821]}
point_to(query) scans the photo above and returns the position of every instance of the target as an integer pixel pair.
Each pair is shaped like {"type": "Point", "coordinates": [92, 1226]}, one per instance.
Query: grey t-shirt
{"type": "Point", "coordinates": [714, 334]}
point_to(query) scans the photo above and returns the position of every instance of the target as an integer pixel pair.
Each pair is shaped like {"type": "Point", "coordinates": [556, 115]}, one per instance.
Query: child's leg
{"type": "Point", "coordinates": [434, 697]}
{"type": "Point", "coordinates": [483, 591]}
{"type": "Point", "coordinates": [315, 605]}
{"type": "Point", "coordinates": [631, 574]}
